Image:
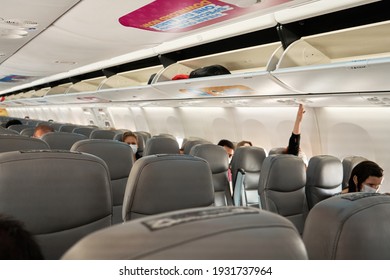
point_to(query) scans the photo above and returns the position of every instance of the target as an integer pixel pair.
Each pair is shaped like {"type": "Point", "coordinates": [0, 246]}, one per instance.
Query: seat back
{"type": "Point", "coordinates": [324, 176]}
{"type": "Point", "coordinates": [6, 131]}
{"type": "Point", "coordinates": [162, 183]}
{"type": "Point", "coordinates": [85, 130]}
{"type": "Point", "coordinates": [141, 140]}
{"type": "Point", "coordinates": [103, 134]}
{"type": "Point", "coordinates": [18, 127]}
{"type": "Point", "coordinates": [18, 142]}
{"type": "Point", "coordinates": [218, 160]}
{"type": "Point", "coordinates": [119, 158]}
{"type": "Point", "coordinates": [187, 146]}
{"type": "Point", "coordinates": [246, 163]}
{"type": "Point", "coordinates": [62, 140]}
{"type": "Point", "coordinates": [349, 226]}
{"type": "Point", "coordinates": [59, 196]}
{"type": "Point", "coordinates": [348, 164]}
{"type": "Point", "coordinates": [282, 187]}
{"type": "Point", "coordinates": [161, 145]}
{"type": "Point", "coordinates": [29, 131]}
{"type": "Point", "coordinates": [200, 234]}
{"type": "Point", "coordinates": [67, 127]}
{"type": "Point", "coordinates": [277, 151]}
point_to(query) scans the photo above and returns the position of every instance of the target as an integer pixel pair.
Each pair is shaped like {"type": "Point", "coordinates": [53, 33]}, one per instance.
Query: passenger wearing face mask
{"type": "Point", "coordinates": [132, 140]}
{"type": "Point", "coordinates": [367, 176]}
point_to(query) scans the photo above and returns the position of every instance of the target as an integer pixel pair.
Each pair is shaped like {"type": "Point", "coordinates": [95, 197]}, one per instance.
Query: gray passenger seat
{"type": "Point", "coordinates": [18, 142]}
{"type": "Point", "coordinates": [212, 233]}
{"type": "Point", "coordinates": [352, 226]}
{"type": "Point", "coordinates": [246, 167]}
{"type": "Point", "coordinates": [162, 183]}
{"type": "Point", "coordinates": [119, 158]}
{"type": "Point", "coordinates": [60, 196]}
{"type": "Point", "coordinates": [218, 160]}
{"type": "Point", "coordinates": [324, 178]}
{"type": "Point", "coordinates": [282, 188]}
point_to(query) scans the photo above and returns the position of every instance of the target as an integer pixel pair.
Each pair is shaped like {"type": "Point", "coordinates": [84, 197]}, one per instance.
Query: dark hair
{"type": "Point", "coordinates": [242, 143]}
{"type": "Point", "coordinates": [211, 70]}
{"type": "Point", "coordinates": [128, 134]}
{"type": "Point", "coordinates": [12, 122]}
{"type": "Point", "coordinates": [226, 143]}
{"type": "Point", "coordinates": [362, 171]}
{"type": "Point", "coordinates": [16, 243]}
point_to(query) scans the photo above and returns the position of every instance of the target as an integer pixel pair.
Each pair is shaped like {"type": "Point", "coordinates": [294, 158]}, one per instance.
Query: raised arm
{"type": "Point", "coordinates": [298, 120]}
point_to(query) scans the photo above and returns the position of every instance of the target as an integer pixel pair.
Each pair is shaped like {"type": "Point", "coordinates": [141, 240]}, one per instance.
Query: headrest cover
{"type": "Point", "coordinates": [349, 226]}
{"type": "Point", "coordinates": [162, 183]}
{"type": "Point", "coordinates": [201, 233]}
{"type": "Point", "coordinates": [324, 171]}
{"type": "Point", "coordinates": [283, 173]}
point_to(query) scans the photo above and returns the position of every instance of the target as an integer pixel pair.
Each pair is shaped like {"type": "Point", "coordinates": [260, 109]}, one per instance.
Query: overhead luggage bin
{"type": "Point", "coordinates": [351, 60]}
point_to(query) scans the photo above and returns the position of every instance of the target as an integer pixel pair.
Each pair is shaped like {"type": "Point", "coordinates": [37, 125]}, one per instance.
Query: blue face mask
{"type": "Point", "coordinates": [368, 189]}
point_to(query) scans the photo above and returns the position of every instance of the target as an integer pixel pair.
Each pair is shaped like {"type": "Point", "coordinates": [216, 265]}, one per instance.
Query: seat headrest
{"type": "Point", "coordinates": [161, 145]}
{"type": "Point", "coordinates": [201, 234]}
{"type": "Point", "coordinates": [117, 155]}
{"type": "Point", "coordinates": [348, 164]}
{"type": "Point", "coordinates": [283, 173]}
{"type": "Point", "coordinates": [18, 142]}
{"type": "Point", "coordinates": [161, 183]}
{"type": "Point", "coordinates": [349, 226]}
{"type": "Point", "coordinates": [214, 154]}
{"type": "Point", "coordinates": [324, 171]}
{"type": "Point", "coordinates": [249, 158]}
{"type": "Point", "coordinates": [62, 140]}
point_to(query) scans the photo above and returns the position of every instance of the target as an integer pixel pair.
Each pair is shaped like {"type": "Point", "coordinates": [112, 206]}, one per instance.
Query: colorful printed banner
{"type": "Point", "coordinates": [185, 15]}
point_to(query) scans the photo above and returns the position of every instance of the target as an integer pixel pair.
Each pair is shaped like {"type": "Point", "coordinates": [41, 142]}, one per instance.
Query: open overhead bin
{"type": "Point", "coordinates": [350, 60]}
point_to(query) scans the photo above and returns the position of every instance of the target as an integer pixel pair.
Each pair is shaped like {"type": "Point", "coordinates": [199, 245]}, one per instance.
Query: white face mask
{"type": "Point", "coordinates": [134, 147]}
{"type": "Point", "coordinates": [368, 189]}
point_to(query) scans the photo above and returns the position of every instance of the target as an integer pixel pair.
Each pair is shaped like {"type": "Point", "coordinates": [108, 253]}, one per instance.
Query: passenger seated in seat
{"type": "Point", "coordinates": [41, 130]}
{"type": "Point", "coordinates": [16, 243]}
{"type": "Point", "coordinates": [131, 139]}
{"type": "Point", "coordinates": [367, 176]}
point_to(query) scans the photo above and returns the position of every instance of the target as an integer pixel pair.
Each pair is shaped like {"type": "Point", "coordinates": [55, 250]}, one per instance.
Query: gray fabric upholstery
{"type": "Point", "coordinates": [162, 183]}
{"type": "Point", "coordinates": [213, 233]}
{"type": "Point", "coordinates": [103, 134]}
{"type": "Point", "coordinates": [6, 131]}
{"type": "Point", "coordinates": [277, 151]}
{"type": "Point", "coordinates": [67, 127]}
{"type": "Point", "coordinates": [141, 140]}
{"type": "Point", "coordinates": [282, 187]}
{"type": "Point", "coordinates": [249, 160]}
{"type": "Point", "coordinates": [119, 158]}
{"type": "Point", "coordinates": [348, 164]}
{"type": "Point", "coordinates": [29, 131]}
{"type": "Point", "coordinates": [18, 142]}
{"type": "Point", "coordinates": [349, 226]}
{"type": "Point", "coordinates": [324, 178]}
{"type": "Point", "coordinates": [187, 146]}
{"type": "Point", "coordinates": [60, 196]}
{"type": "Point", "coordinates": [218, 160]}
{"type": "Point", "coordinates": [161, 145]}
{"type": "Point", "coordinates": [85, 130]}
{"type": "Point", "coordinates": [18, 127]}
{"type": "Point", "coordinates": [62, 140]}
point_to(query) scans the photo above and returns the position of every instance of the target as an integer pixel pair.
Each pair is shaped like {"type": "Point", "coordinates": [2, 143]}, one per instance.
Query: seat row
{"type": "Point", "coordinates": [63, 196]}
